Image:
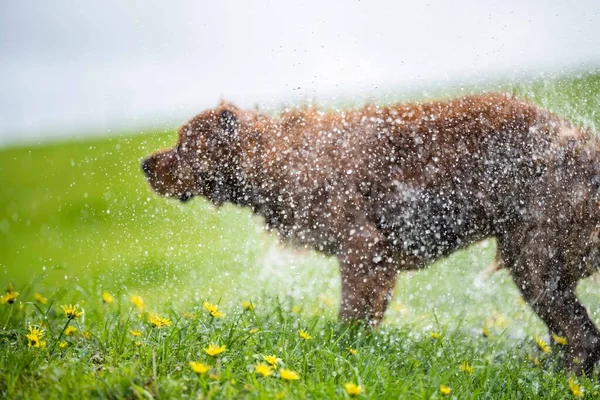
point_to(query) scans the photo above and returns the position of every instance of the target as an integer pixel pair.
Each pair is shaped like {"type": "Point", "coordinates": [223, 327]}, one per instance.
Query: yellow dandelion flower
{"type": "Point", "coordinates": [281, 395]}
{"type": "Point", "coordinates": [353, 389]}
{"type": "Point", "coordinates": [435, 335]}
{"type": "Point", "coordinates": [561, 340]}
{"type": "Point", "coordinates": [295, 309]}
{"type": "Point", "coordinates": [272, 360]}
{"type": "Point", "coordinates": [71, 311]}
{"type": "Point", "coordinates": [352, 351]}
{"type": "Point", "coordinates": [198, 367]}
{"type": "Point", "coordinates": [264, 369]}
{"type": "Point", "coordinates": [542, 345]}
{"type": "Point", "coordinates": [158, 322]}
{"type": "Point", "coordinates": [39, 298]}
{"type": "Point", "coordinates": [213, 309]}
{"type": "Point", "coordinates": [9, 297]}
{"type": "Point", "coordinates": [138, 343]}
{"type": "Point", "coordinates": [107, 298]}
{"type": "Point", "coordinates": [63, 345]}
{"type": "Point", "coordinates": [138, 302]}
{"type": "Point", "coordinates": [87, 334]}
{"type": "Point", "coordinates": [466, 368]}
{"type": "Point", "coordinates": [575, 388]}
{"type": "Point", "coordinates": [188, 315]}
{"type": "Point", "coordinates": [534, 360]}
{"type": "Point", "coordinates": [326, 300]}
{"type": "Point", "coordinates": [486, 332]}
{"type": "Point", "coordinates": [214, 350]}
{"type": "Point", "coordinates": [70, 330]}
{"type": "Point", "coordinates": [498, 320]}
{"type": "Point", "coordinates": [135, 333]}
{"type": "Point", "coordinates": [253, 331]}
{"type": "Point", "coordinates": [304, 335]}
{"type": "Point", "coordinates": [288, 375]}
{"type": "Point", "coordinates": [34, 337]}
{"type": "Point", "coordinates": [248, 305]}
{"type": "Point", "coordinates": [445, 390]}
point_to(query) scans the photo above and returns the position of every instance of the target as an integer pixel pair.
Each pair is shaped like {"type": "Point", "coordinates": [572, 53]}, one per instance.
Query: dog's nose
{"type": "Point", "coordinates": [146, 166]}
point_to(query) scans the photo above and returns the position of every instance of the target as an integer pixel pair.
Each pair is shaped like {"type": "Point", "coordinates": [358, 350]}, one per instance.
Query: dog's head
{"type": "Point", "coordinates": [204, 162]}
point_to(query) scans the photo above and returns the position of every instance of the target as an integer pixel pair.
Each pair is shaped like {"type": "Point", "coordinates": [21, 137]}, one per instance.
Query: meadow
{"type": "Point", "coordinates": [162, 285]}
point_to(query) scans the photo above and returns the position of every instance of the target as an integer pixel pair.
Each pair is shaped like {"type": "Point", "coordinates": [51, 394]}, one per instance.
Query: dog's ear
{"type": "Point", "coordinates": [228, 122]}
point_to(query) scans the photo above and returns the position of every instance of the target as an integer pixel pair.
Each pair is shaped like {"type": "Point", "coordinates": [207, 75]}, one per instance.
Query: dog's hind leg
{"type": "Point", "coordinates": [368, 276]}
{"type": "Point", "coordinates": [536, 268]}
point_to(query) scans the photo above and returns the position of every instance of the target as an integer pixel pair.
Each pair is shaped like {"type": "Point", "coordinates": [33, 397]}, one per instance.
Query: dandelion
{"type": "Point", "coordinates": [272, 360]}
{"type": "Point", "coordinates": [87, 334]}
{"type": "Point", "coordinates": [498, 320]}
{"type": "Point", "coordinates": [304, 335]}
{"type": "Point", "coordinates": [34, 337]}
{"type": "Point", "coordinates": [264, 369]}
{"type": "Point", "coordinates": [158, 322]}
{"type": "Point", "coordinates": [542, 345]}
{"type": "Point", "coordinates": [353, 389]}
{"type": "Point", "coordinates": [71, 311]}
{"type": "Point", "coordinates": [213, 309]}
{"type": "Point", "coordinates": [214, 350]}
{"type": "Point", "coordinates": [253, 331]}
{"type": "Point", "coordinates": [326, 300]}
{"type": "Point", "coordinates": [561, 340]}
{"type": "Point", "coordinates": [70, 330]}
{"type": "Point", "coordinates": [288, 375]}
{"type": "Point", "coordinates": [486, 332]}
{"type": "Point", "coordinates": [198, 367]}
{"type": "Point", "coordinates": [135, 333]}
{"type": "Point", "coordinates": [445, 390]}
{"type": "Point", "coordinates": [247, 305]}
{"type": "Point", "coordinates": [63, 345]}
{"type": "Point", "coordinates": [107, 298]}
{"type": "Point", "coordinates": [138, 302]}
{"type": "Point", "coordinates": [575, 388]}
{"type": "Point", "coordinates": [466, 368]}
{"type": "Point", "coordinates": [39, 298]}
{"type": "Point", "coordinates": [138, 343]}
{"type": "Point", "coordinates": [435, 335]}
{"type": "Point", "coordinates": [188, 315]}
{"type": "Point", "coordinates": [9, 297]}
{"type": "Point", "coordinates": [534, 360]}
{"type": "Point", "coordinates": [352, 351]}
{"type": "Point", "coordinates": [295, 309]}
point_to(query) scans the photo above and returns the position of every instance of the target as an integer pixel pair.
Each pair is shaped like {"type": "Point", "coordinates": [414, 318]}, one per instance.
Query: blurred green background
{"type": "Point", "coordinates": [80, 215]}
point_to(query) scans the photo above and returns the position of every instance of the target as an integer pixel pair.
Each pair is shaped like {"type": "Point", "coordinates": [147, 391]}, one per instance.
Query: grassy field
{"type": "Point", "coordinates": [78, 220]}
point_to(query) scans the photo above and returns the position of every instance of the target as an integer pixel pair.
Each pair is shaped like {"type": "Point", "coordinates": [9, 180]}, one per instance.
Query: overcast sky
{"type": "Point", "coordinates": [72, 68]}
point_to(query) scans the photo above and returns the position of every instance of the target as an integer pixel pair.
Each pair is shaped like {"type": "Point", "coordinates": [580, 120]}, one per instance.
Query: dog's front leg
{"type": "Point", "coordinates": [368, 276]}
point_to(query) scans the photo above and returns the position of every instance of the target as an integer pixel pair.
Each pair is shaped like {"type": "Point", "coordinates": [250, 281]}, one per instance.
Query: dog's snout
{"type": "Point", "coordinates": [146, 166]}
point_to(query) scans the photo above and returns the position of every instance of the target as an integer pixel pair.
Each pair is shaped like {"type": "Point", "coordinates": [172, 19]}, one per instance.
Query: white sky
{"type": "Point", "coordinates": [69, 68]}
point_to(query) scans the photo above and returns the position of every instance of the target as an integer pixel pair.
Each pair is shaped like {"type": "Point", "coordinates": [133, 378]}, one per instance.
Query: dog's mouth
{"type": "Point", "coordinates": [185, 196]}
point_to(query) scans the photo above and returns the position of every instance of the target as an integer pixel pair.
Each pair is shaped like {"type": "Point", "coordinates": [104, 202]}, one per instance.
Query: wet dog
{"type": "Point", "coordinates": [394, 188]}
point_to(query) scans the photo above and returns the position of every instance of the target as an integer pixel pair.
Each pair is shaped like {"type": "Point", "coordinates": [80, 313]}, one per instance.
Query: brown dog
{"type": "Point", "coordinates": [397, 187]}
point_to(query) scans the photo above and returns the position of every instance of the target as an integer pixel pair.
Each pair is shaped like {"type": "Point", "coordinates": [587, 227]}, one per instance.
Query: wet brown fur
{"type": "Point", "coordinates": [396, 187]}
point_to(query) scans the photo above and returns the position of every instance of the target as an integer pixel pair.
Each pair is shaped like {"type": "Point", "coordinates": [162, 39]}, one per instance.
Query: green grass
{"type": "Point", "coordinates": [77, 219]}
